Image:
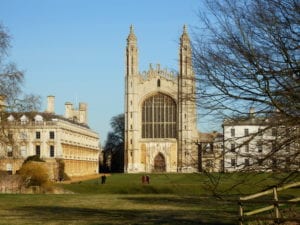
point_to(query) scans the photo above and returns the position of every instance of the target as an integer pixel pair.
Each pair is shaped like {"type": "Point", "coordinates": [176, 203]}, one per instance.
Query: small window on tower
{"type": "Point", "coordinates": [158, 83]}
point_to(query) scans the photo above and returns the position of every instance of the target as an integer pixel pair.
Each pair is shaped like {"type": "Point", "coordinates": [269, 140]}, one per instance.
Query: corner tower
{"type": "Point", "coordinates": [187, 120]}
{"type": "Point", "coordinates": [131, 77]}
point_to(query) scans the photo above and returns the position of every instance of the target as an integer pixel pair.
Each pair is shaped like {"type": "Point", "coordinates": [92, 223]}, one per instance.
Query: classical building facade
{"type": "Point", "coordinates": [256, 144]}
{"type": "Point", "coordinates": [54, 138]}
{"type": "Point", "coordinates": [160, 114]}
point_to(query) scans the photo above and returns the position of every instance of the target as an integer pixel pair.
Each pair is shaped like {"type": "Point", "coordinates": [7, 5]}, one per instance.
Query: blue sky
{"type": "Point", "coordinates": [75, 49]}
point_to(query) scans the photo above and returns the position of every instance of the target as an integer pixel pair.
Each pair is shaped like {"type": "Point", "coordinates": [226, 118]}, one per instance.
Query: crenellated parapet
{"type": "Point", "coordinates": [156, 71]}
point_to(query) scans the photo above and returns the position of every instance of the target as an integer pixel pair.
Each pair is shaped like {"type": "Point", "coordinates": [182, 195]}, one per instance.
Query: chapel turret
{"type": "Point", "coordinates": [185, 55]}
{"type": "Point", "coordinates": [131, 54]}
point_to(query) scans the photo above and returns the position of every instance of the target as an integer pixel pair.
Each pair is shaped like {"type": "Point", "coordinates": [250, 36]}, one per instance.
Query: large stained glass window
{"type": "Point", "coordinates": [159, 117]}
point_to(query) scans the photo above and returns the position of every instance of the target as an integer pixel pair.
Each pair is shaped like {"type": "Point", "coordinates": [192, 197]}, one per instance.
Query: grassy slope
{"type": "Point", "coordinates": [169, 199]}
{"type": "Point", "coordinates": [181, 184]}
{"type": "Point", "coordinates": [113, 209]}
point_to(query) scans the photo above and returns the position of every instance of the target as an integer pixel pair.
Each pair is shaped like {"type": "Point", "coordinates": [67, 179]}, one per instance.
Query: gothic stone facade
{"type": "Point", "coordinates": [160, 114]}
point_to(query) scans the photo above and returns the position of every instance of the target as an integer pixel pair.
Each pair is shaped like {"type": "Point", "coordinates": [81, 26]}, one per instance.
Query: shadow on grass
{"type": "Point", "coordinates": [210, 210]}
{"type": "Point", "coordinates": [74, 215]}
{"type": "Point", "coordinates": [149, 210]}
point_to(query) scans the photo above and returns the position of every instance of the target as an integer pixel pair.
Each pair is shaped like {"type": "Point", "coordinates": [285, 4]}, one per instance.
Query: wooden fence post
{"type": "Point", "coordinates": [276, 205]}
{"type": "Point", "coordinates": [241, 213]}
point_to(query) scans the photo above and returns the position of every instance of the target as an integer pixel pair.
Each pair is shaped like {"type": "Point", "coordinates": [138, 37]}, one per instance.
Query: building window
{"type": "Point", "coordinates": [9, 151]}
{"type": "Point", "coordinates": [288, 160]}
{"type": "Point", "coordinates": [159, 117]}
{"type": "Point", "coordinates": [232, 147]}
{"type": "Point", "coordinates": [51, 150]}
{"type": "Point", "coordinates": [38, 150]}
{"type": "Point", "coordinates": [273, 146]}
{"type": "Point", "coordinates": [10, 136]}
{"type": "Point", "coordinates": [287, 131]}
{"type": "Point", "coordinates": [233, 162]}
{"type": "Point", "coordinates": [260, 132]}
{"type": "Point", "coordinates": [247, 147]}
{"type": "Point", "coordinates": [9, 168]}
{"type": "Point", "coordinates": [274, 163]}
{"type": "Point", "coordinates": [232, 131]}
{"type": "Point", "coordinates": [23, 135]}
{"type": "Point", "coordinates": [247, 162]}
{"type": "Point", "coordinates": [259, 147]}
{"type": "Point", "coordinates": [274, 132]}
{"type": "Point", "coordinates": [158, 83]}
{"type": "Point", "coordinates": [246, 132]}
{"type": "Point", "coordinates": [38, 135]}
{"type": "Point", "coordinates": [288, 147]}
{"type": "Point", "coordinates": [51, 134]}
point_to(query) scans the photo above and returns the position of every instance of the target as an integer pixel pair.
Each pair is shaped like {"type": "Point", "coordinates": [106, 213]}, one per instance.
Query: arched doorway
{"type": "Point", "coordinates": [159, 163]}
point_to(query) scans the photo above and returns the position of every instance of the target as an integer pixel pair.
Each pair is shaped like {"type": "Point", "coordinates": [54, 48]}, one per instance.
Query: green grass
{"type": "Point", "coordinates": [175, 199]}
{"type": "Point", "coordinates": [182, 184]}
{"type": "Point", "coordinates": [112, 209]}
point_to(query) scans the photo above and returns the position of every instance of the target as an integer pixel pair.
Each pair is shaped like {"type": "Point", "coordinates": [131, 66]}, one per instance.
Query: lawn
{"type": "Point", "coordinates": [168, 199]}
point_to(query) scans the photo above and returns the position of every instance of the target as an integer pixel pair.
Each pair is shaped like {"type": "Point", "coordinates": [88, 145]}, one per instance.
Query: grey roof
{"type": "Point", "coordinates": [46, 117]}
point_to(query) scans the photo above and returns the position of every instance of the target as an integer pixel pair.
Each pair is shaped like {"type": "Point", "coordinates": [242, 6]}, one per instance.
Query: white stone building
{"type": "Point", "coordinates": [256, 144]}
{"type": "Point", "coordinates": [53, 137]}
{"type": "Point", "coordinates": [160, 114]}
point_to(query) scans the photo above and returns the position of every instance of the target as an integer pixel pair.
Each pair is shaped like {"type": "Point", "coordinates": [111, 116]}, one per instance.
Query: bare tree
{"type": "Point", "coordinates": [12, 97]}
{"type": "Point", "coordinates": [114, 146]}
{"type": "Point", "coordinates": [11, 80]}
{"type": "Point", "coordinates": [246, 54]}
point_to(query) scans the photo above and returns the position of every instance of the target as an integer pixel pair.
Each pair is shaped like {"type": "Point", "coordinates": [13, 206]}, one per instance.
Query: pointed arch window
{"type": "Point", "coordinates": [158, 83]}
{"type": "Point", "coordinates": [159, 117]}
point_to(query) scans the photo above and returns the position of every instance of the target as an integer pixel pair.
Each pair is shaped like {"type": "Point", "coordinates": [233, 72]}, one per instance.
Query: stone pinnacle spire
{"type": "Point", "coordinates": [184, 29]}
{"type": "Point", "coordinates": [131, 36]}
{"type": "Point", "coordinates": [184, 36]}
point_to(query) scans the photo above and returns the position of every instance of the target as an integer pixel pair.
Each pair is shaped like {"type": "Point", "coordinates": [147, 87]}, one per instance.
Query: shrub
{"type": "Point", "coordinates": [35, 172]}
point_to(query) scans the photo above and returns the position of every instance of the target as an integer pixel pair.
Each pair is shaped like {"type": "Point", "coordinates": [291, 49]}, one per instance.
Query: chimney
{"type": "Point", "coordinates": [83, 113]}
{"type": "Point", "coordinates": [50, 104]}
{"type": "Point", "coordinates": [251, 112]}
{"type": "Point", "coordinates": [68, 110]}
{"type": "Point", "coordinates": [2, 103]}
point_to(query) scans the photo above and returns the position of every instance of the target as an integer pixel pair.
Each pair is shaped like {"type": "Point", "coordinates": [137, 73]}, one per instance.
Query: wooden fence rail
{"type": "Point", "coordinates": [275, 203]}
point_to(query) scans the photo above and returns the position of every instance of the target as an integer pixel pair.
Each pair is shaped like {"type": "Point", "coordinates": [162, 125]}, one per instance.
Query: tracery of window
{"type": "Point", "coordinates": [159, 117]}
